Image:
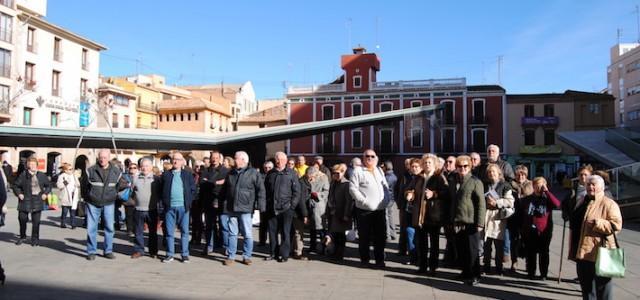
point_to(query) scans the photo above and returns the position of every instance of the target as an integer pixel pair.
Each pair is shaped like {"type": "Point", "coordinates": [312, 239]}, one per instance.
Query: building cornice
{"type": "Point", "coordinates": [29, 18]}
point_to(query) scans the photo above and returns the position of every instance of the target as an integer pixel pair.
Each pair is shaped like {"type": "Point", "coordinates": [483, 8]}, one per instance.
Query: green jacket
{"type": "Point", "coordinates": [467, 204]}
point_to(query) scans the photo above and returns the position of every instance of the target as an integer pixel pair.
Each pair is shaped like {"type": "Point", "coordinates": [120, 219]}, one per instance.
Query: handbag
{"type": "Point", "coordinates": [610, 262]}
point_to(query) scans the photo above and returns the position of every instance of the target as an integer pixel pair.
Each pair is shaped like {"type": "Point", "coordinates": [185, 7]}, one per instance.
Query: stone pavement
{"type": "Point", "coordinates": [58, 270]}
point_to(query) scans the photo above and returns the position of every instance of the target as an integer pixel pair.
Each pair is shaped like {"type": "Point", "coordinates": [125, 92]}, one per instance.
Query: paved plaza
{"type": "Point", "coordinates": [58, 270]}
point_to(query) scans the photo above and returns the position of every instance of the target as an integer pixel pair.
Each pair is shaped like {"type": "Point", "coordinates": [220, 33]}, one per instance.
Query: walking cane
{"type": "Point", "coordinates": [564, 230]}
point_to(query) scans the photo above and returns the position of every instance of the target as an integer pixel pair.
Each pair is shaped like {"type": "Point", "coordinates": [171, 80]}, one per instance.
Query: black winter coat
{"type": "Point", "coordinates": [282, 191]}
{"type": "Point", "coordinates": [301, 208]}
{"type": "Point", "coordinates": [31, 203]}
{"type": "Point", "coordinates": [243, 191]}
{"type": "Point", "coordinates": [102, 191]}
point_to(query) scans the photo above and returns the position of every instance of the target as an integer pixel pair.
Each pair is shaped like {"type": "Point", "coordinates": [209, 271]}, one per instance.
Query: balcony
{"type": "Point", "coordinates": [147, 106]}
{"type": "Point", "coordinates": [479, 120]}
{"type": "Point", "coordinates": [322, 88]}
{"type": "Point", "coordinates": [540, 121]}
{"type": "Point", "coordinates": [430, 84]}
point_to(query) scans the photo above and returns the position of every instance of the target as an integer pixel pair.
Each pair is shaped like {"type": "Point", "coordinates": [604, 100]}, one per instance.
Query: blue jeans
{"type": "Point", "coordinates": [93, 219]}
{"type": "Point", "coordinates": [179, 216]}
{"type": "Point", "coordinates": [507, 242]}
{"type": "Point", "coordinates": [233, 223]}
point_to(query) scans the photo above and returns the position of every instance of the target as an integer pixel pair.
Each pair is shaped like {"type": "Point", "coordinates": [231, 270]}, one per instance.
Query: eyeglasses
{"type": "Point", "coordinates": [370, 156]}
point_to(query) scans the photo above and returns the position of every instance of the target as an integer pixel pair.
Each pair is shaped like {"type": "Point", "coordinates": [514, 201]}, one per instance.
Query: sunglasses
{"type": "Point", "coordinates": [462, 166]}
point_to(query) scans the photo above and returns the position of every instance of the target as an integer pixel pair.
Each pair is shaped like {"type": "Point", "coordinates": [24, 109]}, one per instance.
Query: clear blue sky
{"type": "Point", "coordinates": [547, 46]}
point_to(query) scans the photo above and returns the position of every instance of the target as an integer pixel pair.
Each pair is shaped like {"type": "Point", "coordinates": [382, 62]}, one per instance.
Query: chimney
{"type": "Point", "coordinates": [359, 50]}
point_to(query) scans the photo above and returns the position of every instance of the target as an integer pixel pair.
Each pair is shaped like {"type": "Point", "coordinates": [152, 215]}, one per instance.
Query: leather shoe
{"type": "Point", "coordinates": [91, 257]}
{"type": "Point", "coordinates": [19, 242]}
{"type": "Point", "coordinates": [35, 243]}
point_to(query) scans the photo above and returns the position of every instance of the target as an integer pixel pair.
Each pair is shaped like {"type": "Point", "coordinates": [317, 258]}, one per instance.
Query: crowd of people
{"type": "Point", "coordinates": [485, 210]}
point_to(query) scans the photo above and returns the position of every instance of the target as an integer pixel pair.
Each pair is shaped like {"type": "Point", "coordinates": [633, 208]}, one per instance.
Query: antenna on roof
{"type": "Point", "coordinates": [618, 34]}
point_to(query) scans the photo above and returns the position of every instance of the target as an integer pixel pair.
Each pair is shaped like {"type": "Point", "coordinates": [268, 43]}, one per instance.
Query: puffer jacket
{"type": "Point", "coordinates": [31, 203]}
{"type": "Point", "coordinates": [243, 191]}
{"type": "Point", "coordinates": [608, 220]}
{"type": "Point", "coordinates": [282, 191]}
{"type": "Point", "coordinates": [103, 191]}
{"type": "Point", "coordinates": [495, 228]}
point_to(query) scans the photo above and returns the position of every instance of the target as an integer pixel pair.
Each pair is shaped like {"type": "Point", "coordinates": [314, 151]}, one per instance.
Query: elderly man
{"type": "Point", "coordinates": [211, 181]}
{"type": "Point", "coordinates": [243, 190]}
{"type": "Point", "coordinates": [475, 163]}
{"type": "Point", "coordinates": [145, 194]}
{"type": "Point", "coordinates": [301, 166]}
{"type": "Point", "coordinates": [178, 191]}
{"type": "Point", "coordinates": [493, 157]}
{"type": "Point", "coordinates": [102, 180]}
{"type": "Point", "coordinates": [370, 191]}
{"type": "Point", "coordinates": [264, 225]}
{"type": "Point", "coordinates": [282, 196]}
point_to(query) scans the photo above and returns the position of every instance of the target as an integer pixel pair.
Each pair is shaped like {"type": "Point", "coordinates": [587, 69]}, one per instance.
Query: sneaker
{"type": "Point", "coordinates": [167, 259]}
{"type": "Point", "coordinates": [91, 257]}
{"type": "Point", "coordinates": [228, 262]}
{"type": "Point", "coordinates": [247, 261]}
{"type": "Point", "coordinates": [110, 255]}
{"type": "Point", "coordinates": [185, 260]}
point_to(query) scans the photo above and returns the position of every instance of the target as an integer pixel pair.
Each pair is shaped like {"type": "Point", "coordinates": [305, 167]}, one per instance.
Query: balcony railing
{"type": "Point", "coordinates": [30, 85]}
{"type": "Point", "coordinates": [479, 120]}
{"type": "Point", "coordinates": [316, 88]}
{"type": "Point", "coordinates": [540, 121]}
{"type": "Point", "coordinates": [419, 84]}
{"type": "Point", "coordinates": [147, 106]}
{"type": "Point", "coordinates": [5, 35]}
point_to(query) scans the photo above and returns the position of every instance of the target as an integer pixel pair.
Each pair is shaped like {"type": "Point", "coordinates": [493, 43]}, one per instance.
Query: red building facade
{"type": "Point", "coordinates": [474, 116]}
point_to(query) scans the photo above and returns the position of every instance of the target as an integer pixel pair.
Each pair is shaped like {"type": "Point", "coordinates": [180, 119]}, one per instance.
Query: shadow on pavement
{"type": "Point", "coordinates": [33, 290]}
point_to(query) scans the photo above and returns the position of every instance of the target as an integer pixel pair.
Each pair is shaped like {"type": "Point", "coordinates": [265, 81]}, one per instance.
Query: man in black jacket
{"type": "Point", "coordinates": [102, 180]}
{"type": "Point", "coordinates": [211, 181]}
{"type": "Point", "coordinates": [243, 190]}
{"type": "Point", "coordinates": [282, 196]}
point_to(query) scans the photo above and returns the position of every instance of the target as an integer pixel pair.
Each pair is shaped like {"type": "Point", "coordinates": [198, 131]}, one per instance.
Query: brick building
{"type": "Point", "coordinates": [474, 116]}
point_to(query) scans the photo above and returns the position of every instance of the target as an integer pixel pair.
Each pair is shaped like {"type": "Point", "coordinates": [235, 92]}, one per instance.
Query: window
{"type": "Point", "coordinates": [29, 76]}
{"type": "Point", "coordinates": [31, 36]}
{"type": "Point", "coordinates": [386, 140]}
{"type": "Point", "coordinates": [448, 138]}
{"type": "Point", "coordinates": [529, 137]}
{"type": "Point", "coordinates": [356, 139]}
{"type": "Point", "coordinates": [416, 137]}
{"type": "Point", "coordinates": [5, 63]}
{"type": "Point", "coordinates": [478, 111]}
{"type": "Point", "coordinates": [416, 103]}
{"type": "Point", "coordinates": [83, 88]}
{"type": "Point", "coordinates": [175, 117]}
{"type": "Point", "coordinates": [448, 113]}
{"type": "Point", "coordinates": [55, 117]}
{"type": "Point", "coordinates": [4, 97]}
{"type": "Point", "coordinates": [85, 59]}
{"type": "Point", "coordinates": [632, 115]}
{"type": "Point", "coordinates": [479, 141]}
{"type": "Point", "coordinates": [327, 143]}
{"type": "Point", "coordinates": [189, 117]}
{"type": "Point", "coordinates": [6, 26]}
{"type": "Point", "coordinates": [548, 110]}
{"type": "Point", "coordinates": [57, 53]}
{"type": "Point", "coordinates": [126, 121]}
{"type": "Point", "coordinates": [196, 115]}
{"type": "Point", "coordinates": [182, 117]}
{"type": "Point", "coordinates": [386, 107]}
{"type": "Point", "coordinates": [122, 100]}
{"type": "Point", "coordinates": [327, 112]}
{"type": "Point", "coordinates": [357, 81]}
{"type": "Point", "coordinates": [529, 111]}
{"type": "Point", "coordinates": [114, 120]}
{"type": "Point", "coordinates": [549, 137]}
{"type": "Point", "coordinates": [7, 3]}
{"type": "Point", "coordinates": [594, 108]}
{"type": "Point", "coordinates": [356, 109]}
{"type": "Point", "coordinates": [26, 116]}
{"type": "Point", "coordinates": [55, 83]}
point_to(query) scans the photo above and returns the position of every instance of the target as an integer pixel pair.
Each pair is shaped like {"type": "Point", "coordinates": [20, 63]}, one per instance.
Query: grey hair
{"type": "Point", "coordinates": [268, 164]}
{"type": "Point", "coordinates": [243, 155]}
{"type": "Point", "coordinates": [356, 161]}
{"type": "Point", "coordinates": [142, 160]}
{"type": "Point", "coordinates": [493, 146]}
{"type": "Point", "coordinates": [598, 179]}
{"type": "Point", "coordinates": [311, 171]}
{"type": "Point", "coordinates": [279, 153]}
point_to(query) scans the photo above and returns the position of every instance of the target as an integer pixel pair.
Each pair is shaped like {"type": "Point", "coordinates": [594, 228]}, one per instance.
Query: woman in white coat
{"type": "Point", "coordinates": [500, 203]}
{"type": "Point", "coordinates": [69, 194]}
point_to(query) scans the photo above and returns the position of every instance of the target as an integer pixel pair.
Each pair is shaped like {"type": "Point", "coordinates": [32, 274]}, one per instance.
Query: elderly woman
{"type": "Point", "coordinates": [428, 193]}
{"type": "Point", "coordinates": [593, 222]}
{"type": "Point", "coordinates": [415, 169]}
{"type": "Point", "coordinates": [499, 197]}
{"type": "Point", "coordinates": [339, 209]}
{"type": "Point", "coordinates": [522, 187]}
{"type": "Point", "coordinates": [537, 226]}
{"type": "Point", "coordinates": [31, 187]}
{"type": "Point", "coordinates": [69, 186]}
{"type": "Point", "coordinates": [319, 193]}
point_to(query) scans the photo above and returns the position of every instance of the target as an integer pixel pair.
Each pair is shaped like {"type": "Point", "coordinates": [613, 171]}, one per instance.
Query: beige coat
{"type": "Point", "coordinates": [608, 219]}
{"type": "Point", "coordinates": [494, 228]}
{"type": "Point", "coordinates": [69, 194]}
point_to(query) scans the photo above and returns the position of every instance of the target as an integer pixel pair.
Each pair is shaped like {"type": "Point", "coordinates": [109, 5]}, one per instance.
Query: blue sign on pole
{"type": "Point", "coordinates": [84, 114]}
